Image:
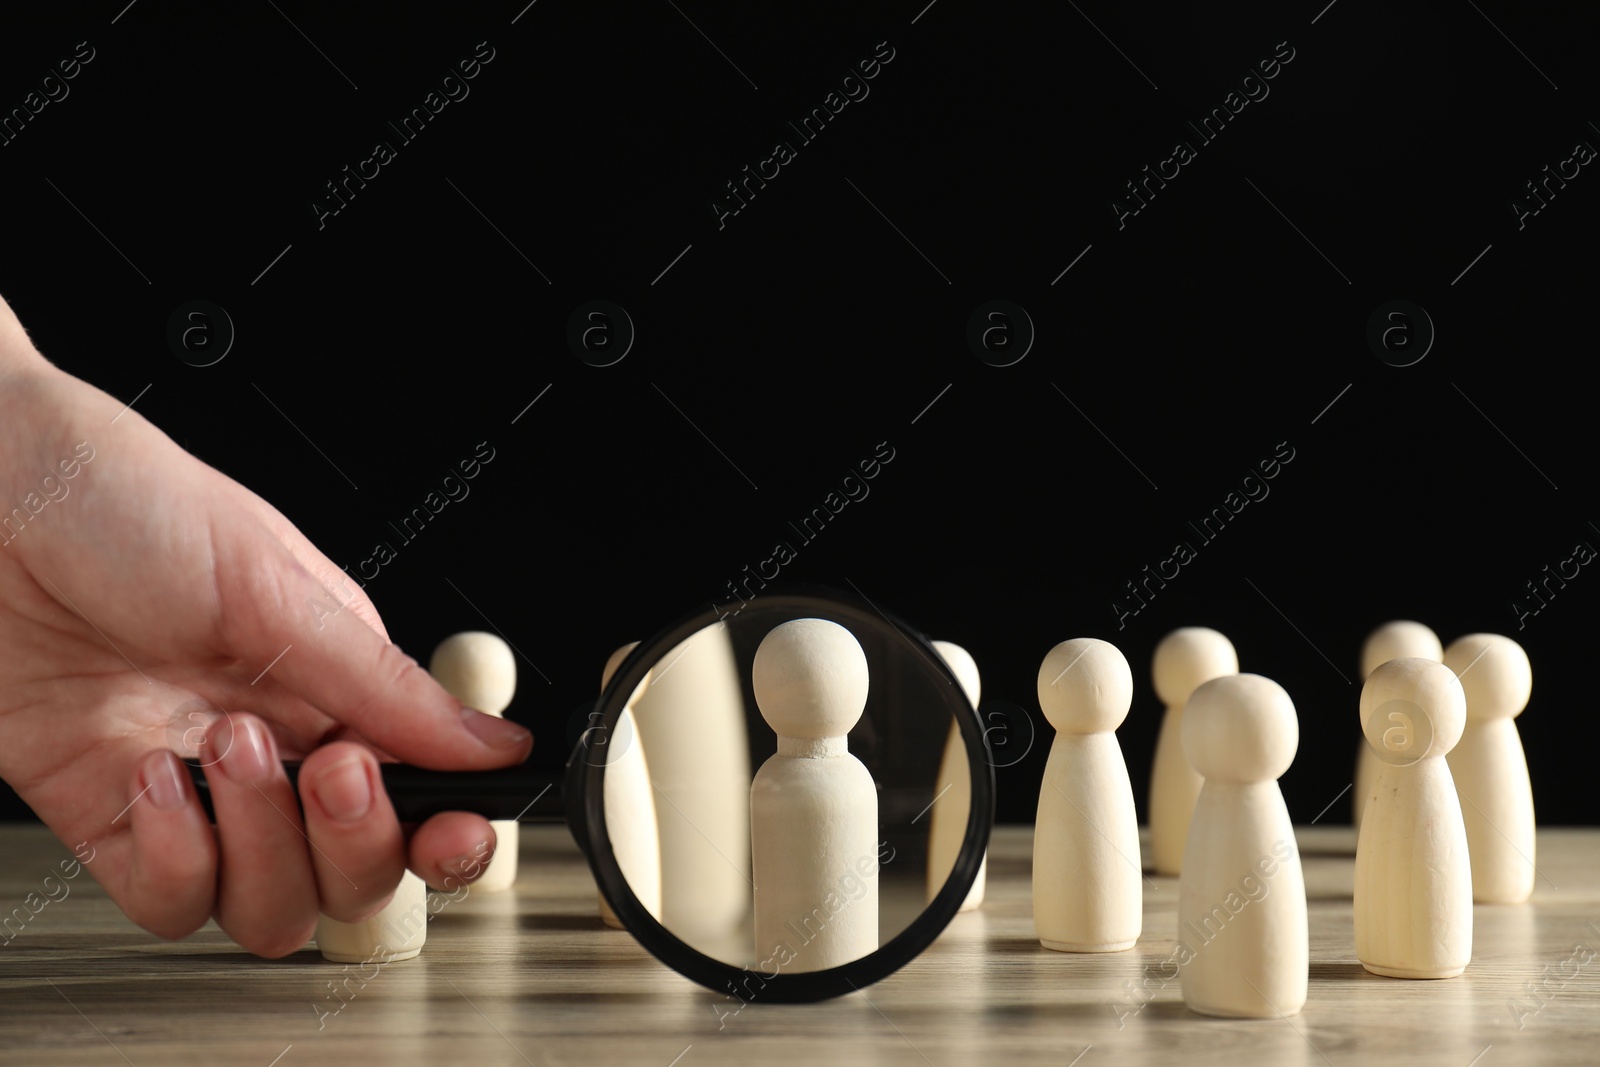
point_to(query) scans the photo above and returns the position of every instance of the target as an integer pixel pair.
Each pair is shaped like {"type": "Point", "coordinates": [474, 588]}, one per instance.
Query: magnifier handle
{"type": "Point", "coordinates": [511, 793]}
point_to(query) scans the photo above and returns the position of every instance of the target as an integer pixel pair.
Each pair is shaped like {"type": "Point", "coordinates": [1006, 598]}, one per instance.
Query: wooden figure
{"type": "Point", "coordinates": [1490, 769]}
{"type": "Point", "coordinates": [1184, 659]}
{"type": "Point", "coordinates": [950, 811]}
{"type": "Point", "coordinates": [630, 804]}
{"type": "Point", "coordinates": [813, 806]}
{"type": "Point", "coordinates": [1242, 893]}
{"type": "Point", "coordinates": [480, 670]}
{"type": "Point", "coordinates": [1393, 640]}
{"type": "Point", "coordinates": [1413, 887]}
{"type": "Point", "coordinates": [1087, 879]}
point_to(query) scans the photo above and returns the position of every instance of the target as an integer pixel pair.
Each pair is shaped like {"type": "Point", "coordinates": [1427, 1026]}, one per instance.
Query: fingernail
{"type": "Point", "coordinates": [250, 758]}
{"type": "Point", "coordinates": [344, 790]}
{"type": "Point", "coordinates": [495, 732]}
{"type": "Point", "coordinates": [163, 782]}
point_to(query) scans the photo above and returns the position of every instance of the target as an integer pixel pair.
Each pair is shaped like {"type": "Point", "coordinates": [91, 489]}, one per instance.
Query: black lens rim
{"type": "Point", "coordinates": [588, 825]}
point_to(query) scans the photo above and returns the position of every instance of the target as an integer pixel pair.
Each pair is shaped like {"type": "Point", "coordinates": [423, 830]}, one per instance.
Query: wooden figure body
{"type": "Point", "coordinates": [1184, 659]}
{"type": "Point", "coordinates": [396, 933]}
{"type": "Point", "coordinates": [813, 806]}
{"type": "Point", "coordinates": [1413, 887]}
{"type": "Point", "coordinates": [1242, 894]}
{"type": "Point", "coordinates": [1087, 880]}
{"type": "Point", "coordinates": [1400, 639]}
{"type": "Point", "coordinates": [480, 670]}
{"type": "Point", "coordinates": [949, 814]}
{"type": "Point", "coordinates": [691, 720]}
{"type": "Point", "coordinates": [1490, 769]}
{"type": "Point", "coordinates": [630, 804]}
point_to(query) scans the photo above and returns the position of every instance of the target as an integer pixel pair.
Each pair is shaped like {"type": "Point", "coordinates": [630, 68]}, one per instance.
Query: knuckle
{"type": "Point", "coordinates": [391, 671]}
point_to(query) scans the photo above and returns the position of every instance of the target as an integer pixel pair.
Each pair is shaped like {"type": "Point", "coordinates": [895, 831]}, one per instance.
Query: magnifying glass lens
{"type": "Point", "coordinates": [795, 761]}
{"type": "Point", "coordinates": [794, 798]}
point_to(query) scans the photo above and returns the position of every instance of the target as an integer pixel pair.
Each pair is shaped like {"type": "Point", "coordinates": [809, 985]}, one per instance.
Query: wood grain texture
{"type": "Point", "coordinates": [533, 977]}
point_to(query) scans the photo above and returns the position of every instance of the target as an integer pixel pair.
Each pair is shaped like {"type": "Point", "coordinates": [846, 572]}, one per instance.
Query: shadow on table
{"type": "Point", "coordinates": [565, 922]}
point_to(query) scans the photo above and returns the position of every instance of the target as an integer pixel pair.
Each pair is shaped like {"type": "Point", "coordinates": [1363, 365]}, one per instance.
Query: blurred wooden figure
{"type": "Point", "coordinates": [1184, 660]}
{"type": "Point", "coordinates": [630, 804]}
{"type": "Point", "coordinates": [691, 722]}
{"type": "Point", "coordinates": [1401, 639]}
{"type": "Point", "coordinates": [480, 670]}
{"type": "Point", "coordinates": [948, 817]}
{"type": "Point", "coordinates": [1490, 769]}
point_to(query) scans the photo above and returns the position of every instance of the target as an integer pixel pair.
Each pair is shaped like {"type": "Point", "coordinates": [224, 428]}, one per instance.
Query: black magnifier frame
{"type": "Point", "coordinates": [576, 795]}
{"type": "Point", "coordinates": [586, 778]}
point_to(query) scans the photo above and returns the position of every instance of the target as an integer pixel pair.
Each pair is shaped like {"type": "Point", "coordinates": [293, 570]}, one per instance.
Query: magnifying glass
{"type": "Point", "coordinates": [827, 889]}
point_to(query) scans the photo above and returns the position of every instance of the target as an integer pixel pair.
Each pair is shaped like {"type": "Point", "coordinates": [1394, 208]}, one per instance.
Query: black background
{"type": "Point", "coordinates": [781, 348]}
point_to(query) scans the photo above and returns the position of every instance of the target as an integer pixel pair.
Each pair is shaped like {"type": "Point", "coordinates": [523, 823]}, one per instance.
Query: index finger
{"type": "Point", "coordinates": [274, 611]}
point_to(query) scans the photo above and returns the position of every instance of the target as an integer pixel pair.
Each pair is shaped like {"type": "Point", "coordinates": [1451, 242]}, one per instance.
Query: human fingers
{"type": "Point", "coordinates": [171, 883]}
{"type": "Point", "coordinates": [358, 852]}
{"type": "Point", "coordinates": [452, 849]}
{"type": "Point", "coordinates": [266, 889]}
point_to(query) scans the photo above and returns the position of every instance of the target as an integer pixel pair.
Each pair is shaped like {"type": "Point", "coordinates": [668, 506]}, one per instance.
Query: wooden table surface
{"type": "Point", "coordinates": [531, 977]}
